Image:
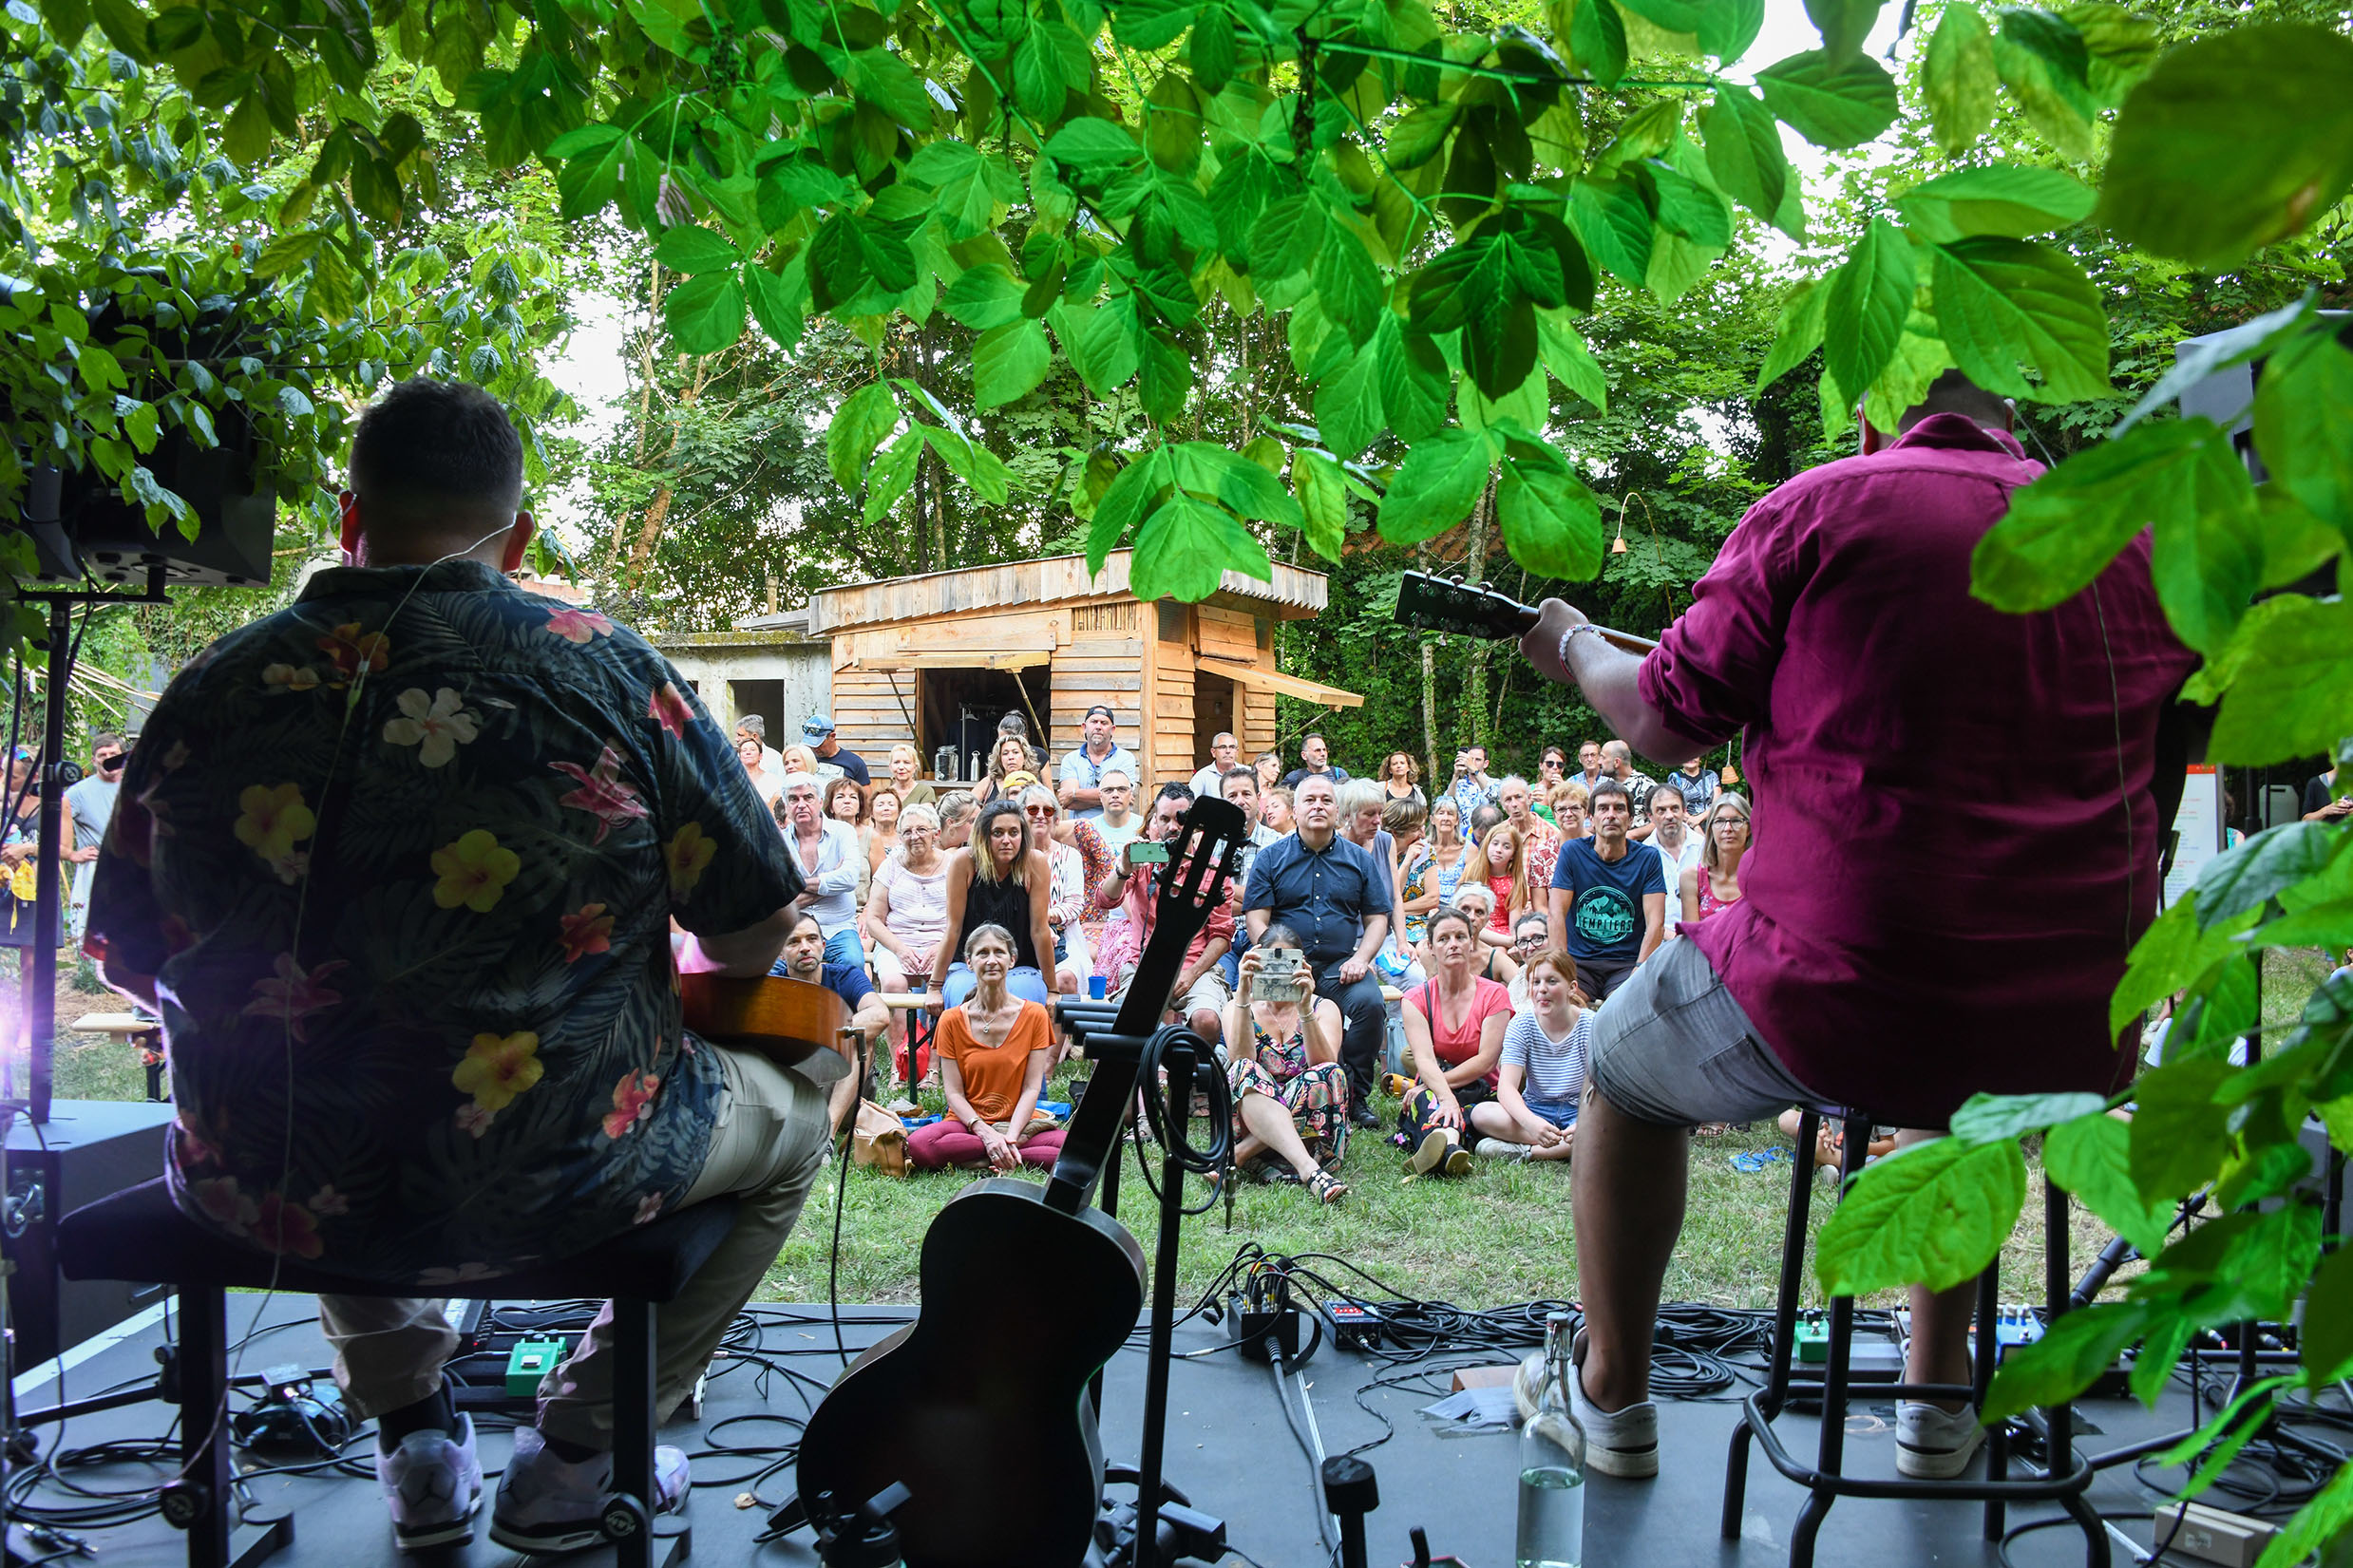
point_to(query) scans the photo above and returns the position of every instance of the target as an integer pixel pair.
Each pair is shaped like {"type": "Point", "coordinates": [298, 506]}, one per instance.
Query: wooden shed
{"type": "Point", "coordinates": [936, 660]}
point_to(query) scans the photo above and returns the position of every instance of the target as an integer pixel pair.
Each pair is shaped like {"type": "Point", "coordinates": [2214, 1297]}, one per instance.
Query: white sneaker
{"type": "Point", "coordinates": [1498, 1148]}
{"type": "Point", "coordinates": [1934, 1445]}
{"type": "Point", "coordinates": [548, 1503]}
{"type": "Point", "coordinates": [432, 1482]}
{"type": "Point", "coordinates": [1618, 1443]}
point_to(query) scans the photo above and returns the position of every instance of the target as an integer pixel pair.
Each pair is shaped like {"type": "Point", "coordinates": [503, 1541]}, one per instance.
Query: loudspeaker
{"type": "Point", "coordinates": [87, 1151]}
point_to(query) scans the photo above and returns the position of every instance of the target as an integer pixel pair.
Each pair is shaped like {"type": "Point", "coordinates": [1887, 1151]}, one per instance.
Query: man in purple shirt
{"type": "Point", "coordinates": [1955, 850]}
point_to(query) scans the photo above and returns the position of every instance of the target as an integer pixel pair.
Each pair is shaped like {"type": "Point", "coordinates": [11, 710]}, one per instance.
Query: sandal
{"type": "Point", "coordinates": [1327, 1187]}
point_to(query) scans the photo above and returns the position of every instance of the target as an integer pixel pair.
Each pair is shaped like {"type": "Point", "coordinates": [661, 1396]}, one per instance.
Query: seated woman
{"type": "Point", "coordinates": [1067, 907]}
{"type": "Point", "coordinates": [839, 800]}
{"type": "Point", "coordinates": [1454, 1022]}
{"type": "Point", "coordinates": [993, 1055]}
{"type": "Point", "coordinates": [999, 879]}
{"type": "Point", "coordinates": [1282, 1062]}
{"type": "Point", "coordinates": [1491, 963]}
{"type": "Point", "coordinates": [1533, 1115]}
{"type": "Point", "coordinates": [907, 914]}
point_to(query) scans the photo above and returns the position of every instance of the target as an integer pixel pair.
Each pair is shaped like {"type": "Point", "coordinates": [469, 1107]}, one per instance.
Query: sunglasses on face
{"type": "Point", "coordinates": [1045, 811]}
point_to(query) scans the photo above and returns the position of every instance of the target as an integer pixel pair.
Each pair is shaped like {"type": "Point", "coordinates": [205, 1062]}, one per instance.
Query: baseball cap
{"type": "Point", "coordinates": [817, 725]}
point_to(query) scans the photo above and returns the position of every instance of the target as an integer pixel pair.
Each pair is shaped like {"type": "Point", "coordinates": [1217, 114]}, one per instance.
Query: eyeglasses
{"type": "Point", "coordinates": [1045, 811]}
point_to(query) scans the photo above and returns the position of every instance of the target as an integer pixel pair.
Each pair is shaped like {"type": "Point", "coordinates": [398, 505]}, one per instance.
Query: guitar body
{"type": "Point", "coordinates": [979, 1408]}
{"type": "Point", "coordinates": [794, 1023]}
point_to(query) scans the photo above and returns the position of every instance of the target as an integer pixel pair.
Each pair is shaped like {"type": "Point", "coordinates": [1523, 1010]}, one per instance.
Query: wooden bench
{"type": "Point", "coordinates": [922, 1011]}
{"type": "Point", "coordinates": [146, 1033]}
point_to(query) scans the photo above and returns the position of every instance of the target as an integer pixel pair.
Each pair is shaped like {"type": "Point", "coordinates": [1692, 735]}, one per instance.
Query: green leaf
{"type": "Point", "coordinates": [2304, 409]}
{"type": "Point", "coordinates": [1134, 492]}
{"type": "Point", "coordinates": [2319, 1522]}
{"type": "Point", "coordinates": [1101, 341]}
{"type": "Point", "coordinates": [2291, 699]}
{"type": "Point", "coordinates": [1597, 36]}
{"type": "Point", "coordinates": [706, 313]}
{"type": "Point", "coordinates": [1347, 403]}
{"type": "Point", "coordinates": [892, 474]}
{"type": "Point", "coordinates": [2054, 96]}
{"type": "Point", "coordinates": [1166, 375]}
{"type": "Point", "coordinates": [1865, 305]}
{"type": "Point", "coordinates": [689, 249]}
{"type": "Point", "coordinates": [1727, 28]}
{"type": "Point", "coordinates": [2180, 1134]}
{"type": "Point", "coordinates": [859, 425]}
{"type": "Point", "coordinates": [1834, 102]}
{"type": "Point", "coordinates": [1564, 353]}
{"type": "Point", "coordinates": [1934, 1215]}
{"type": "Point", "coordinates": [1800, 333]}
{"type": "Point", "coordinates": [2243, 1267]}
{"type": "Point", "coordinates": [1525, 407]}
{"type": "Point", "coordinates": [2237, 138]}
{"type": "Point", "coordinates": [1093, 148]}
{"type": "Point", "coordinates": [1614, 221]}
{"type": "Point", "coordinates": [2065, 528]}
{"type": "Point", "coordinates": [2004, 301]}
{"type": "Point", "coordinates": [2208, 557]}
{"type": "Point", "coordinates": [592, 178]}
{"type": "Point", "coordinates": [1476, 286]}
{"type": "Point", "coordinates": [1744, 153]}
{"type": "Point", "coordinates": [1354, 294]}
{"type": "Point", "coordinates": [2092, 1156]}
{"type": "Point", "coordinates": [1323, 502]}
{"type": "Point", "coordinates": [1844, 24]}
{"type": "Point", "coordinates": [1957, 78]}
{"type": "Point", "coordinates": [985, 296]}
{"type": "Point", "coordinates": [1185, 547]}
{"type": "Point", "coordinates": [1552, 524]}
{"type": "Point", "coordinates": [2328, 1321]}
{"type": "Point", "coordinates": [1415, 385]}
{"type": "Point", "coordinates": [1999, 199]}
{"type": "Point", "coordinates": [1286, 238]}
{"type": "Point", "coordinates": [1245, 487]}
{"type": "Point", "coordinates": [1008, 361]}
{"type": "Point", "coordinates": [1688, 208]}
{"type": "Point", "coordinates": [1435, 486]}
{"type": "Point", "coordinates": [2170, 953]}
{"type": "Point", "coordinates": [2249, 875]}
{"type": "Point", "coordinates": [1420, 135]}
{"type": "Point", "coordinates": [1995, 1118]}
{"type": "Point", "coordinates": [2076, 1348]}
{"type": "Point", "coordinates": [778, 301]}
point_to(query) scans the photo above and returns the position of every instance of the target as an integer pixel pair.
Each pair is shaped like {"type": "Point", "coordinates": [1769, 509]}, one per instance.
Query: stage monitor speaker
{"type": "Point", "coordinates": [89, 1150]}
{"type": "Point", "coordinates": [2227, 396]}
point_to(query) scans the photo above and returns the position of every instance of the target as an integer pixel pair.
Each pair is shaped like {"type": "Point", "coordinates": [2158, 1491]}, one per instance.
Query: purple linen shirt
{"type": "Point", "coordinates": [1953, 852]}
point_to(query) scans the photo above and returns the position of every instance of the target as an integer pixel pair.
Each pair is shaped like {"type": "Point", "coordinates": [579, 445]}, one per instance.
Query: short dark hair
{"type": "Point", "coordinates": [429, 443]}
{"type": "Point", "coordinates": [804, 918]}
{"type": "Point", "coordinates": [104, 739]}
{"type": "Point", "coordinates": [1955, 393]}
{"type": "Point", "coordinates": [1174, 790]}
{"type": "Point", "coordinates": [1608, 787]}
{"type": "Point", "coordinates": [1313, 735]}
{"type": "Point", "coordinates": [1663, 787]}
{"type": "Point", "coordinates": [1233, 773]}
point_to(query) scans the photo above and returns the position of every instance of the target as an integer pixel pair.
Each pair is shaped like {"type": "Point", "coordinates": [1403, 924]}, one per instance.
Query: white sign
{"type": "Point", "coordinates": [2199, 824]}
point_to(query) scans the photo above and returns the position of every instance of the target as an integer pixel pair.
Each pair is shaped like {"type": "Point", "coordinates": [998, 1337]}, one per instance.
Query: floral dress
{"type": "Point", "coordinates": [1315, 1093]}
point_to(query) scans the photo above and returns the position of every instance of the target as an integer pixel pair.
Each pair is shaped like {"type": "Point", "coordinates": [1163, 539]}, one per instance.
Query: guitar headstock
{"type": "Point", "coordinates": [1201, 859]}
{"type": "Point", "coordinates": [1433, 603]}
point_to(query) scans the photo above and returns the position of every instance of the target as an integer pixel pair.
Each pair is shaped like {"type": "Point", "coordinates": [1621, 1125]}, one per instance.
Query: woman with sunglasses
{"type": "Point", "coordinates": [1067, 905]}
{"type": "Point", "coordinates": [1000, 879]}
{"type": "Point", "coordinates": [1714, 882]}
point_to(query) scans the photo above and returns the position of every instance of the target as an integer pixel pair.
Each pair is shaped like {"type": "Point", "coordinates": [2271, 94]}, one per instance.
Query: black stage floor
{"type": "Point", "coordinates": [1229, 1446]}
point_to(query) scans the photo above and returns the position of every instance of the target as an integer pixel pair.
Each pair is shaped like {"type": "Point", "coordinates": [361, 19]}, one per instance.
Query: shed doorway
{"type": "Point", "coordinates": [958, 713]}
{"type": "Point", "coordinates": [1213, 711]}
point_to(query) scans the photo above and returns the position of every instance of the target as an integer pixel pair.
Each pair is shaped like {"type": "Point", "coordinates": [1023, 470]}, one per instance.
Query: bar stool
{"type": "Point", "coordinates": [136, 1235]}
{"type": "Point", "coordinates": [2066, 1476]}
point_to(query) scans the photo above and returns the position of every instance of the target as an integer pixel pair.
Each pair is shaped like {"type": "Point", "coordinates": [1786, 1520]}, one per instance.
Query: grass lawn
{"type": "Point", "coordinates": [1500, 1235]}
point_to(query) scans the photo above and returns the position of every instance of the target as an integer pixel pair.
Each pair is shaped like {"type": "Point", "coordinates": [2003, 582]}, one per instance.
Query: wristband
{"type": "Point", "coordinates": [1581, 626]}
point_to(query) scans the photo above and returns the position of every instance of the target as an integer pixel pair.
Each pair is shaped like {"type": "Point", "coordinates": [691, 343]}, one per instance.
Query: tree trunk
{"type": "Point", "coordinates": [1430, 691]}
{"type": "Point", "coordinates": [1474, 685]}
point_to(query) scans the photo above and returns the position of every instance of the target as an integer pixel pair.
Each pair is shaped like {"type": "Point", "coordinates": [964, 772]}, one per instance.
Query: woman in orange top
{"type": "Point", "coordinates": [993, 1053]}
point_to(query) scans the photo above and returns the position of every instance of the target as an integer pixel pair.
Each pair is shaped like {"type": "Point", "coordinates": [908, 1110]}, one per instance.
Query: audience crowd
{"type": "Point", "coordinates": [1453, 941]}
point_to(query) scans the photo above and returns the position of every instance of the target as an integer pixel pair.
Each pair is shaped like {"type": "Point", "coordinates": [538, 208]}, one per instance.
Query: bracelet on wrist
{"type": "Point", "coordinates": [1581, 626]}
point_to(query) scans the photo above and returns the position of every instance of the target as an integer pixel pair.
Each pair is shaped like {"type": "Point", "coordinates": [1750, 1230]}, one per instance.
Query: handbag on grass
{"type": "Point", "coordinates": [879, 1139]}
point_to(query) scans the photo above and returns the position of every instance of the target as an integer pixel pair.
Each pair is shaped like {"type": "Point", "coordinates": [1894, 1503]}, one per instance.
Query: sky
{"type": "Point", "coordinates": [591, 366]}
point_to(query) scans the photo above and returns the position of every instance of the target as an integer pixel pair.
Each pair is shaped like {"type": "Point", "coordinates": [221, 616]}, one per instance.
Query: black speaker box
{"type": "Point", "coordinates": [87, 1151]}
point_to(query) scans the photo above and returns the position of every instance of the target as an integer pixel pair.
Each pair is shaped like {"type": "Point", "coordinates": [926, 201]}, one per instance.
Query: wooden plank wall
{"type": "Point", "coordinates": [868, 718]}
{"type": "Point", "coordinates": [1257, 722]}
{"type": "Point", "coordinates": [1097, 666]}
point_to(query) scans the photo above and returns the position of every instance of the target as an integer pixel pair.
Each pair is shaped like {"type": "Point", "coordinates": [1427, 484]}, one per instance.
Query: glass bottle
{"type": "Point", "coordinates": [1552, 1463]}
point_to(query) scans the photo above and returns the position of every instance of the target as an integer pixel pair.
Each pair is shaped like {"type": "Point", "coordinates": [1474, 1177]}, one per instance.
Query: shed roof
{"type": "Point", "coordinates": [1292, 594]}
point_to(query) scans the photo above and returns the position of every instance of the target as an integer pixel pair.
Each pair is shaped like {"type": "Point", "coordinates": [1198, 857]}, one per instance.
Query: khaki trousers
{"type": "Point", "coordinates": [767, 1148]}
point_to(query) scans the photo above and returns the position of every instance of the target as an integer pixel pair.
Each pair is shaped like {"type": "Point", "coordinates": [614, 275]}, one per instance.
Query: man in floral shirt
{"type": "Point", "coordinates": [398, 865]}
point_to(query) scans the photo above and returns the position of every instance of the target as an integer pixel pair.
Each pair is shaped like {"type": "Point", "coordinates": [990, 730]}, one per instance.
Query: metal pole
{"type": "Point", "coordinates": [1180, 1065]}
{"type": "Point", "coordinates": [40, 964]}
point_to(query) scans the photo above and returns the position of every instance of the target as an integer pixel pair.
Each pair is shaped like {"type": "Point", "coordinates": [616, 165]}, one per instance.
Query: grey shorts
{"type": "Point", "coordinates": [1671, 1046]}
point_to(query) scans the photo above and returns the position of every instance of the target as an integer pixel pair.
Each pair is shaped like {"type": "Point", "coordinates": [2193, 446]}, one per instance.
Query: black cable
{"type": "Point", "coordinates": [841, 1189]}
{"type": "Point", "coordinates": [1173, 1131]}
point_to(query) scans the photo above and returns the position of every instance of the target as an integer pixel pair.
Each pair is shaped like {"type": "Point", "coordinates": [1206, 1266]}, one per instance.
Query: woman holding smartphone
{"type": "Point", "coordinates": [1290, 1092]}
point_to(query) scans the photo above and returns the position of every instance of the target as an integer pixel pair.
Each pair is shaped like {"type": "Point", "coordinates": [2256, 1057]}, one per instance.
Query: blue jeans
{"type": "Point", "coordinates": [1023, 982]}
{"type": "Point", "coordinates": [1561, 1113]}
{"type": "Point", "coordinates": [844, 947]}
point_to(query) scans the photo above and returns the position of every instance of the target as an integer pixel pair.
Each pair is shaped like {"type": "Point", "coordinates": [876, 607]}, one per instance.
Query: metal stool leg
{"type": "Point", "coordinates": [1984, 1352]}
{"type": "Point", "coordinates": [632, 1425]}
{"type": "Point", "coordinates": [1784, 1324]}
{"type": "Point", "coordinates": [1855, 1133]}
{"type": "Point", "coordinates": [201, 1505]}
{"type": "Point", "coordinates": [2059, 1445]}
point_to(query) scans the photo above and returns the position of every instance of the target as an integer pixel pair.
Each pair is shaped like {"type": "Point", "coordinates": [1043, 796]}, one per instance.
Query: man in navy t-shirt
{"type": "Point", "coordinates": [804, 959]}
{"type": "Point", "coordinates": [1610, 896]}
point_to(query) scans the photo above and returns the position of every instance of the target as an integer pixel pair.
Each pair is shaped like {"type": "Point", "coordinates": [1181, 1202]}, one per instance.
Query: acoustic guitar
{"type": "Point", "coordinates": [1431, 603]}
{"type": "Point", "coordinates": [980, 1406]}
{"type": "Point", "coordinates": [796, 1024]}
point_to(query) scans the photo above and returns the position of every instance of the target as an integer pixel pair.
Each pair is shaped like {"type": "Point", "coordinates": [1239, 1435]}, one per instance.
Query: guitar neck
{"type": "Point", "coordinates": [1190, 885]}
{"type": "Point", "coordinates": [1474, 609]}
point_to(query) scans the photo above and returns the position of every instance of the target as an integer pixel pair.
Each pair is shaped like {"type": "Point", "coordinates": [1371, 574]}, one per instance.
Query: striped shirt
{"type": "Point", "coordinates": [1555, 1069]}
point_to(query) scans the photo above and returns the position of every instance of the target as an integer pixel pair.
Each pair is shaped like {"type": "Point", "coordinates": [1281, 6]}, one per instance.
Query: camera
{"type": "Point", "coordinates": [1278, 976]}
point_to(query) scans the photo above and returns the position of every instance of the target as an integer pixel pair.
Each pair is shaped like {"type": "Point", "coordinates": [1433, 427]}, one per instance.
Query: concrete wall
{"type": "Point", "coordinates": [802, 670]}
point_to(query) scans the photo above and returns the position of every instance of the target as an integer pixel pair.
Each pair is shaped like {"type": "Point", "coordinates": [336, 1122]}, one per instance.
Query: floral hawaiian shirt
{"type": "Point", "coordinates": [403, 859]}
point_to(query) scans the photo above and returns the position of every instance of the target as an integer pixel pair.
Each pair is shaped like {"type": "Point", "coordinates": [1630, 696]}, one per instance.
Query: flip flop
{"type": "Point", "coordinates": [1750, 1161]}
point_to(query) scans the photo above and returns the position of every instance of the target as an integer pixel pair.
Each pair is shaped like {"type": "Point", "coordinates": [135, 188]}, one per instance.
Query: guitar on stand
{"type": "Point", "coordinates": [970, 1434]}
{"type": "Point", "coordinates": [1448, 605]}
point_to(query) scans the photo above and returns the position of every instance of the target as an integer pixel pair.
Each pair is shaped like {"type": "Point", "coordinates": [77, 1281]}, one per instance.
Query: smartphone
{"type": "Point", "coordinates": [1144, 852]}
{"type": "Point", "coordinates": [1278, 976]}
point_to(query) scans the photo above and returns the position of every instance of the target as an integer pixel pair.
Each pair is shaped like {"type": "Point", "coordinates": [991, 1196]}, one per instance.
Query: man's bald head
{"type": "Point", "coordinates": [436, 470]}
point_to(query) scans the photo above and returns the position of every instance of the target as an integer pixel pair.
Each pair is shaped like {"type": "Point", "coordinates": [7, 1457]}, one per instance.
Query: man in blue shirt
{"type": "Point", "coordinates": [804, 959]}
{"type": "Point", "coordinates": [1610, 896]}
{"type": "Point", "coordinates": [1078, 783]}
{"type": "Point", "coordinates": [1335, 896]}
{"type": "Point", "coordinates": [398, 864]}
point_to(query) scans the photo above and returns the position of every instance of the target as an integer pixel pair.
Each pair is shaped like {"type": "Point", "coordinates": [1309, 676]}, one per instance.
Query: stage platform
{"type": "Point", "coordinates": [1228, 1447]}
